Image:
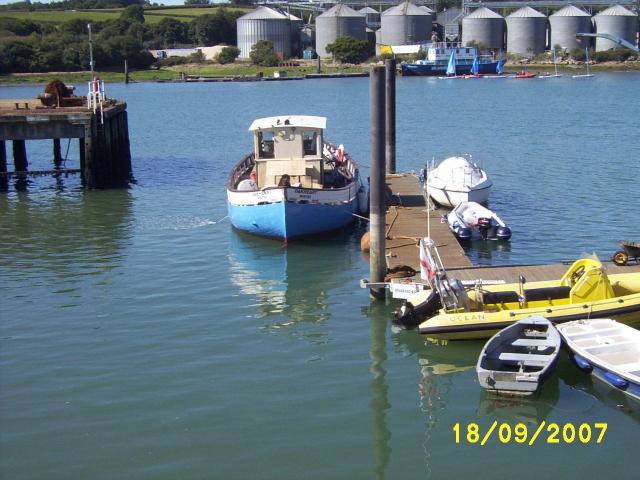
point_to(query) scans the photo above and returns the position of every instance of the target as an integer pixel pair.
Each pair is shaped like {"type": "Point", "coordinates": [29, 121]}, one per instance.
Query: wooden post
{"type": "Point", "coordinates": [57, 154]}
{"type": "Point", "coordinates": [20, 156]}
{"type": "Point", "coordinates": [377, 260]}
{"type": "Point", "coordinates": [318, 69]}
{"type": "Point", "coordinates": [4, 180]}
{"type": "Point", "coordinates": [81, 155]}
{"type": "Point", "coordinates": [126, 149]}
{"type": "Point", "coordinates": [390, 115]}
{"type": "Point", "coordinates": [87, 169]}
{"type": "Point", "coordinates": [126, 72]}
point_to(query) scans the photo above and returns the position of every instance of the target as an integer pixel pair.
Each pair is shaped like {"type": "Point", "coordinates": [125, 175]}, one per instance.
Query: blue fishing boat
{"type": "Point", "coordinates": [294, 183]}
{"type": "Point", "coordinates": [438, 58]}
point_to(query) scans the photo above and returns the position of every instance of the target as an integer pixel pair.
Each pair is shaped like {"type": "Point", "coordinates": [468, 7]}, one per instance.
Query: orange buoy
{"type": "Point", "coordinates": [364, 242]}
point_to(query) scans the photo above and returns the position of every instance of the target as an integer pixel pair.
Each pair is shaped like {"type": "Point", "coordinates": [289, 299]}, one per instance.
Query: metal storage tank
{"type": "Point", "coordinates": [338, 21]}
{"type": "Point", "coordinates": [405, 24]}
{"type": "Point", "coordinates": [297, 25]}
{"type": "Point", "coordinates": [372, 17]}
{"type": "Point", "coordinates": [485, 27]}
{"type": "Point", "coordinates": [429, 21]}
{"type": "Point", "coordinates": [565, 23]}
{"type": "Point", "coordinates": [526, 32]}
{"type": "Point", "coordinates": [616, 21]}
{"type": "Point", "coordinates": [265, 23]}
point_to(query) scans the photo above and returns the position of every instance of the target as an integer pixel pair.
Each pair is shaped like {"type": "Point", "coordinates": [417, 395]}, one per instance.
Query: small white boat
{"type": "Point", "coordinates": [470, 219]}
{"type": "Point", "coordinates": [519, 358]}
{"type": "Point", "coordinates": [456, 180]}
{"type": "Point", "coordinates": [608, 350]}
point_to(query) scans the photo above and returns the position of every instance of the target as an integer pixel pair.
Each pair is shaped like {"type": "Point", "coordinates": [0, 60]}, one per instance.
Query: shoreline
{"type": "Point", "coordinates": [253, 73]}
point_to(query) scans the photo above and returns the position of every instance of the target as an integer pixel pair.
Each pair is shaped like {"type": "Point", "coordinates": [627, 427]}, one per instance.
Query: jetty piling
{"type": "Point", "coordinates": [103, 135]}
{"type": "Point", "coordinates": [377, 209]}
{"type": "Point", "coordinates": [390, 115]}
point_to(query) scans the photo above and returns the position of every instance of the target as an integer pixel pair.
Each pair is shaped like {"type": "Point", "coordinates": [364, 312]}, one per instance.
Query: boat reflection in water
{"type": "Point", "coordinates": [482, 252]}
{"type": "Point", "coordinates": [290, 285]}
{"type": "Point", "coordinates": [530, 410]}
{"type": "Point", "coordinates": [582, 383]}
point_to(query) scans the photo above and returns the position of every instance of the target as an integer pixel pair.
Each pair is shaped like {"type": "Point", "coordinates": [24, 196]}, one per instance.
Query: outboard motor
{"type": "Point", "coordinates": [484, 225]}
{"type": "Point", "coordinates": [503, 233]}
{"type": "Point", "coordinates": [410, 316]}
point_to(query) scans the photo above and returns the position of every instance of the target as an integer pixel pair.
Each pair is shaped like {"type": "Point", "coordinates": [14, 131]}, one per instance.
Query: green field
{"type": "Point", "coordinates": [151, 15]}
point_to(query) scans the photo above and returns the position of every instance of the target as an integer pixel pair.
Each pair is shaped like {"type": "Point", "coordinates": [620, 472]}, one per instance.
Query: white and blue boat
{"type": "Point", "coordinates": [444, 58]}
{"type": "Point", "coordinates": [294, 183]}
{"type": "Point", "coordinates": [606, 349]}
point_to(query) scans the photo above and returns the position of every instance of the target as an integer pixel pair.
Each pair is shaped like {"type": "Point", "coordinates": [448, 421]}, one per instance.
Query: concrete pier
{"type": "Point", "coordinates": [105, 158]}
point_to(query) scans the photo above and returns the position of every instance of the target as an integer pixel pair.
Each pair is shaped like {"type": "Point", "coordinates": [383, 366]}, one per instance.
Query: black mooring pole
{"type": "Point", "coordinates": [390, 115]}
{"type": "Point", "coordinates": [377, 260]}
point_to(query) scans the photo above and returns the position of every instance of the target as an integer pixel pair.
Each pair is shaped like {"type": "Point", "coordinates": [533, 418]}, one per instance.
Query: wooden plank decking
{"type": "Point", "coordinates": [406, 223]}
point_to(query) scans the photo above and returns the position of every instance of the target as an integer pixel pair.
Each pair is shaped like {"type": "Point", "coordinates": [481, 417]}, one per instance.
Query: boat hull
{"type": "Point", "coordinates": [279, 216]}
{"type": "Point", "coordinates": [453, 198]}
{"type": "Point", "coordinates": [608, 350]}
{"type": "Point", "coordinates": [478, 325]}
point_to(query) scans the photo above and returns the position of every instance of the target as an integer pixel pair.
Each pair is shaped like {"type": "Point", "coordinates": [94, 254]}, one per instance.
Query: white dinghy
{"type": "Point", "coordinates": [519, 358]}
{"type": "Point", "coordinates": [456, 180]}
{"type": "Point", "coordinates": [608, 350]}
{"type": "Point", "coordinates": [470, 219]}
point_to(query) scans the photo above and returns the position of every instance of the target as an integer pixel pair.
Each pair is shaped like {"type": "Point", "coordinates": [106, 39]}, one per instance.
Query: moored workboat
{"type": "Point", "coordinates": [518, 359]}
{"type": "Point", "coordinates": [448, 60]}
{"type": "Point", "coordinates": [294, 183]}
{"type": "Point", "coordinates": [608, 350]}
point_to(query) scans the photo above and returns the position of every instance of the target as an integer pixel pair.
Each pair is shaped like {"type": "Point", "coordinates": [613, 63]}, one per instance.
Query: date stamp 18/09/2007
{"type": "Point", "coordinates": [520, 433]}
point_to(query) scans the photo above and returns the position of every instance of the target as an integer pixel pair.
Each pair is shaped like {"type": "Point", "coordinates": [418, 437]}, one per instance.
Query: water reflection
{"type": "Point", "coordinates": [290, 284]}
{"type": "Point", "coordinates": [441, 365]}
{"type": "Point", "coordinates": [487, 252]}
{"type": "Point", "coordinates": [66, 234]}
{"type": "Point", "coordinates": [530, 410]}
{"type": "Point", "coordinates": [604, 394]}
{"type": "Point", "coordinates": [378, 315]}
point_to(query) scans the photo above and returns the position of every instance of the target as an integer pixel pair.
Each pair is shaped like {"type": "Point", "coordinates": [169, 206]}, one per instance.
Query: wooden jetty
{"type": "Point", "coordinates": [103, 133]}
{"type": "Point", "coordinates": [406, 223]}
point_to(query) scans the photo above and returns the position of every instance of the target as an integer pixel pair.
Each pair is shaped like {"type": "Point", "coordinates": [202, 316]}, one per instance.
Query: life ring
{"type": "Point", "coordinates": [95, 85]}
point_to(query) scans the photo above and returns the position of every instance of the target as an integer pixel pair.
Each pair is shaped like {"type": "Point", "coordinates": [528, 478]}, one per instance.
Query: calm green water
{"type": "Point", "coordinates": [141, 339]}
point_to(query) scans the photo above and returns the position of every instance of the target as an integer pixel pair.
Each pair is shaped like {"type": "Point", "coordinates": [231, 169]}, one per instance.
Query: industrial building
{"type": "Point", "coordinates": [526, 31]}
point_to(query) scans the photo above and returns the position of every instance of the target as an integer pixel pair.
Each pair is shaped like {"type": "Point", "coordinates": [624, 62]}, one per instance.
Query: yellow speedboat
{"type": "Point", "coordinates": [451, 311]}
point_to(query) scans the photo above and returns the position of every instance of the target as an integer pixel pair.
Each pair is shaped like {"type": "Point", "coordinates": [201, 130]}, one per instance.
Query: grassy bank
{"type": "Point", "coordinates": [151, 15]}
{"type": "Point", "coordinates": [245, 69]}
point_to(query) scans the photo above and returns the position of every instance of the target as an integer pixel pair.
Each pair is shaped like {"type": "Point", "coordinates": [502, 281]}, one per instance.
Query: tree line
{"type": "Point", "coordinates": [29, 46]}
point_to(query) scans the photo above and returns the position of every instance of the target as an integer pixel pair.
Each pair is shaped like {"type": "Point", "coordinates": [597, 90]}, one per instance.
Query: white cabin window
{"type": "Point", "coordinates": [265, 140]}
{"type": "Point", "coordinates": [309, 142]}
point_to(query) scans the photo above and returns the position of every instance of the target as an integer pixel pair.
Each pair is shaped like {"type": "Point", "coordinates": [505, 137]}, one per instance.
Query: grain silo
{"type": "Point", "coordinates": [405, 24]}
{"type": "Point", "coordinates": [616, 21]}
{"type": "Point", "coordinates": [338, 21]}
{"type": "Point", "coordinates": [484, 27]}
{"type": "Point", "coordinates": [430, 19]}
{"type": "Point", "coordinates": [565, 23]}
{"type": "Point", "coordinates": [526, 32]}
{"type": "Point", "coordinates": [372, 18]}
{"type": "Point", "coordinates": [265, 23]}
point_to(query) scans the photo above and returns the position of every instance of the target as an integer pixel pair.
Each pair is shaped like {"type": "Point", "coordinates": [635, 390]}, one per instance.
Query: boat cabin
{"type": "Point", "coordinates": [288, 149]}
